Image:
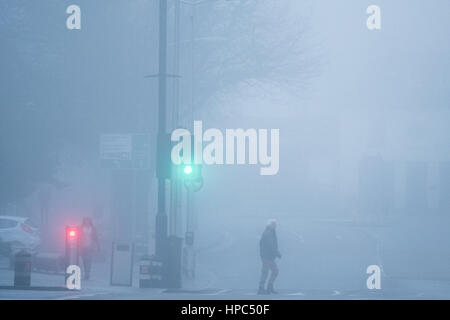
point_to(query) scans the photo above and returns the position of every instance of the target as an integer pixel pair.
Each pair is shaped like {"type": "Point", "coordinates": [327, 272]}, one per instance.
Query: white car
{"type": "Point", "coordinates": [18, 234]}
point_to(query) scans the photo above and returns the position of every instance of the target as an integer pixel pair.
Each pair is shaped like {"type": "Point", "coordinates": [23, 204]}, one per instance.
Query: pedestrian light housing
{"type": "Point", "coordinates": [72, 245]}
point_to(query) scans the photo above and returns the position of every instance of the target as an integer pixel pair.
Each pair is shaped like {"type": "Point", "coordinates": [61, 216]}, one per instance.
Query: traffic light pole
{"type": "Point", "coordinates": [175, 188]}
{"type": "Point", "coordinates": [161, 216]}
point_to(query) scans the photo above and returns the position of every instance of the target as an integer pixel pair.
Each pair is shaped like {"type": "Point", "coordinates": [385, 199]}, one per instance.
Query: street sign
{"type": "Point", "coordinates": [125, 151]}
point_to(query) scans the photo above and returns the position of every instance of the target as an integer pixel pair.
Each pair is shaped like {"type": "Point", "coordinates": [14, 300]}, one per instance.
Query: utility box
{"type": "Point", "coordinates": [122, 264]}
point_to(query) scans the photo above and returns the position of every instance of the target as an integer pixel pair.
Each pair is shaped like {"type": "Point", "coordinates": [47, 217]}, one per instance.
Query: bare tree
{"type": "Point", "coordinates": [263, 42]}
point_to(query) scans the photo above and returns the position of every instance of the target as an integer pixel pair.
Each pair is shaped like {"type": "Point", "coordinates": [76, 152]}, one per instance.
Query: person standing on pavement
{"type": "Point", "coordinates": [89, 244]}
{"type": "Point", "coordinates": [268, 249]}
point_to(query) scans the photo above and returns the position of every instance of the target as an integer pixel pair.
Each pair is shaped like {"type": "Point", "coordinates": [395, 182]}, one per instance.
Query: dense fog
{"type": "Point", "coordinates": [364, 153]}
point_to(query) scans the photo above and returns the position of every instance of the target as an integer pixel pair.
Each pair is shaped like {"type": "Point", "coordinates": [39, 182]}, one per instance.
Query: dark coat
{"type": "Point", "coordinates": [94, 239]}
{"type": "Point", "coordinates": [268, 245]}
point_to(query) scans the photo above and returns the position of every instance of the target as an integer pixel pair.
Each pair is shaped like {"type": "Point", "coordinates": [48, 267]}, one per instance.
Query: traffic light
{"type": "Point", "coordinates": [72, 245]}
{"type": "Point", "coordinates": [166, 168]}
{"type": "Point", "coordinates": [72, 233]}
{"type": "Point", "coordinates": [190, 172]}
{"type": "Point", "coordinates": [187, 170]}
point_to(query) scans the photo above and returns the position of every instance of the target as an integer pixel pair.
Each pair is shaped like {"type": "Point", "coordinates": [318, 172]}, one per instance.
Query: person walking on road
{"type": "Point", "coordinates": [89, 244]}
{"type": "Point", "coordinates": [268, 249]}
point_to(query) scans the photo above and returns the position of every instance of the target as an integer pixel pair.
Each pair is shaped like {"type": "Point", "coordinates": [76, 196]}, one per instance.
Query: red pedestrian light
{"type": "Point", "coordinates": [71, 233]}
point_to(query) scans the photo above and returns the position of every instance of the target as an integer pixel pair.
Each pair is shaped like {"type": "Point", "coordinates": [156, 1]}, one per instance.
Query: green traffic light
{"type": "Point", "coordinates": [187, 170]}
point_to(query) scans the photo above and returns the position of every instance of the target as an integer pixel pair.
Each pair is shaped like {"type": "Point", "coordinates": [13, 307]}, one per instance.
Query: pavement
{"type": "Point", "coordinates": [321, 260]}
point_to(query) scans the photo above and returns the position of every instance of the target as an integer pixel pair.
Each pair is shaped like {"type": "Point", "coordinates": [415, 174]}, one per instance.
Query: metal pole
{"type": "Point", "coordinates": [188, 191]}
{"type": "Point", "coordinates": [161, 216]}
{"type": "Point", "coordinates": [175, 184]}
{"type": "Point", "coordinates": [192, 65]}
{"type": "Point", "coordinates": [189, 226]}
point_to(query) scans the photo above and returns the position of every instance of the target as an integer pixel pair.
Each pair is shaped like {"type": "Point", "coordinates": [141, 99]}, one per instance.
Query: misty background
{"type": "Point", "coordinates": [363, 116]}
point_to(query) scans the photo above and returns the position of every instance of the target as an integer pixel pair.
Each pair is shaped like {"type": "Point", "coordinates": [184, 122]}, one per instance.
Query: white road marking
{"type": "Point", "coordinates": [296, 294]}
{"type": "Point", "coordinates": [77, 296]}
{"type": "Point", "coordinates": [218, 292]}
{"type": "Point", "coordinates": [81, 296]}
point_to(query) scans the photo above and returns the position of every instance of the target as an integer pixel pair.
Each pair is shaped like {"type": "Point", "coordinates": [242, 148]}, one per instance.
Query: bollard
{"type": "Point", "coordinates": [22, 270]}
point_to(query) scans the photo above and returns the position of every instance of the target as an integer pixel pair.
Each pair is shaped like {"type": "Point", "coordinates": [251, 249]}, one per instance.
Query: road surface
{"type": "Point", "coordinates": [321, 260]}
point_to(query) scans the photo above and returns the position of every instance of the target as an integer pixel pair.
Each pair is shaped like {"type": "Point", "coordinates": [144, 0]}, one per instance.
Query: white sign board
{"type": "Point", "coordinates": [122, 264]}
